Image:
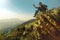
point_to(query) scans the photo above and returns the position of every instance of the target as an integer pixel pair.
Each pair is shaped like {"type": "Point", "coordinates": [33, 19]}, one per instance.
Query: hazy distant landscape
{"type": "Point", "coordinates": [9, 23]}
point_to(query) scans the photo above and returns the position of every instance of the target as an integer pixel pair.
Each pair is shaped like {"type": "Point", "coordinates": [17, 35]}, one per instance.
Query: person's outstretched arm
{"type": "Point", "coordinates": [35, 6]}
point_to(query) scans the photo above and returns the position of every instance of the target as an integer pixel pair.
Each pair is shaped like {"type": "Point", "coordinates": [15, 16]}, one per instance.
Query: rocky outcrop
{"type": "Point", "coordinates": [49, 24]}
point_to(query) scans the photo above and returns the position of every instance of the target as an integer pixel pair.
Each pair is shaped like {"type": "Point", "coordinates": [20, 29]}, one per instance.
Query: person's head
{"type": "Point", "coordinates": [40, 3]}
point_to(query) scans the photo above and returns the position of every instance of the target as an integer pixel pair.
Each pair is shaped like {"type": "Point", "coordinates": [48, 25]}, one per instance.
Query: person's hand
{"type": "Point", "coordinates": [34, 5]}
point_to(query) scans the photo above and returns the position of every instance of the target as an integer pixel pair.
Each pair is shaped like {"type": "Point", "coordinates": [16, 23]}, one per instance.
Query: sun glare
{"type": "Point", "coordinates": [7, 14]}
{"type": "Point", "coordinates": [3, 1]}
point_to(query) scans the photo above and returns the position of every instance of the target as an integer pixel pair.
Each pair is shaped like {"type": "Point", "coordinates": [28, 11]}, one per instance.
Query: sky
{"type": "Point", "coordinates": [23, 9]}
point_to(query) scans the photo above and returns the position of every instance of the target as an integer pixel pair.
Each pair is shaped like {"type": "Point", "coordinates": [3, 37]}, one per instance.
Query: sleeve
{"type": "Point", "coordinates": [35, 7]}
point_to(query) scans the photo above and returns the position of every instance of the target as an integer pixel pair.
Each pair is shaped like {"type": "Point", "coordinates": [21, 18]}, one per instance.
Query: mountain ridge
{"type": "Point", "coordinates": [7, 24]}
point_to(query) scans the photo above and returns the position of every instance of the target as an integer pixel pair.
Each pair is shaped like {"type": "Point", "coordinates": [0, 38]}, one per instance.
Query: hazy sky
{"type": "Point", "coordinates": [22, 9]}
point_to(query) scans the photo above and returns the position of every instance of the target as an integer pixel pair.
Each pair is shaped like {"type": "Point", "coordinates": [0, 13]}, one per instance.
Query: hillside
{"type": "Point", "coordinates": [46, 26]}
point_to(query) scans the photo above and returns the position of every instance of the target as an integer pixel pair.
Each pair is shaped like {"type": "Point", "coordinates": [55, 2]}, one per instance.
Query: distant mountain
{"type": "Point", "coordinates": [29, 21]}
{"type": "Point", "coordinates": [9, 23]}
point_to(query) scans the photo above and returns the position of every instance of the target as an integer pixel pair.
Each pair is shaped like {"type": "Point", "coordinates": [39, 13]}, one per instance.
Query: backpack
{"type": "Point", "coordinates": [44, 7]}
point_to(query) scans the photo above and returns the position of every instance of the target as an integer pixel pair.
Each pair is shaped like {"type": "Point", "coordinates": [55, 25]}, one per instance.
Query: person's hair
{"type": "Point", "coordinates": [40, 2]}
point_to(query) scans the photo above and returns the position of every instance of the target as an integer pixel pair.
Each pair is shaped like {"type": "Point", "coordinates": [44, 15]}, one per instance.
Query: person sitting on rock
{"type": "Point", "coordinates": [41, 7]}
